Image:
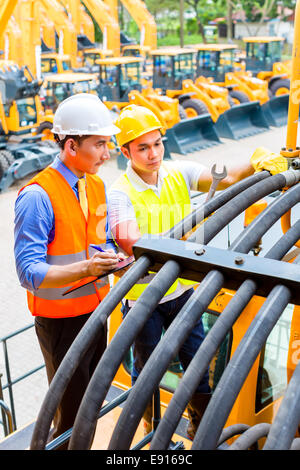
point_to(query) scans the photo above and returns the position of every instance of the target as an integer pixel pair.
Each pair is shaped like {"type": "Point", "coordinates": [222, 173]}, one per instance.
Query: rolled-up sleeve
{"type": "Point", "coordinates": [34, 221]}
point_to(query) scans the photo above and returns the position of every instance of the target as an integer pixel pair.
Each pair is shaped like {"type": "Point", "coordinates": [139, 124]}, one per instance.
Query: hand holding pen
{"type": "Point", "coordinates": [101, 262]}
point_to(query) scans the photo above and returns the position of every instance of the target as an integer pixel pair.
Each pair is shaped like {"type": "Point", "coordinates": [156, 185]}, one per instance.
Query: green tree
{"type": "Point", "coordinates": [205, 11]}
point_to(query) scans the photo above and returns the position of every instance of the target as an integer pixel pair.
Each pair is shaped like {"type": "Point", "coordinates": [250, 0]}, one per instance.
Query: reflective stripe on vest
{"type": "Point", "coordinates": [73, 235]}
{"type": "Point", "coordinates": [157, 214]}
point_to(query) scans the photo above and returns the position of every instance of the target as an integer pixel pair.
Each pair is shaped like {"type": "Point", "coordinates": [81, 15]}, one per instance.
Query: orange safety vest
{"type": "Point", "coordinates": [73, 235]}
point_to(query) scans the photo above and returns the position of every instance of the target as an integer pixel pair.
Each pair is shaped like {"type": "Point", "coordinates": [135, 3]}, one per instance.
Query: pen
{"type": "Point", "coordinates": [97, 247]}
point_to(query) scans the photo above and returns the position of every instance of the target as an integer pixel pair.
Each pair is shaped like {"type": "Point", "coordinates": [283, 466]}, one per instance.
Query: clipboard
{"type": "Point", "coordinates": [121, 265]}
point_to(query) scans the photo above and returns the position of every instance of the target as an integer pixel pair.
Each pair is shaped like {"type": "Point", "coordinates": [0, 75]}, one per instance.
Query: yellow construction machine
{"type": "Point", "coordinates": [121, 84]}
{"type": "Point", "coordinates": [87, 51]}
{"type": "Point", "coordinates": [218, 63]}
{"type": "Point", "coordinates": [263, 59]}
{"type": "Point", "coordinates": [250, 309]}
{"type": "Point", "coordinates": [26, 141]}
{"type": "Point", "coordinates": [58, 87]}
{"type": "Point", "coordinates": [137, 9]}
{"type": "Point", "coordinates": [175, 73]}
{"type": "Point", "coordinates": [108, 24]}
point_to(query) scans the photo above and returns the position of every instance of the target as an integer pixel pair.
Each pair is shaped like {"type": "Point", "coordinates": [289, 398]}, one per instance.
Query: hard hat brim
{"type": "Point", "coordinates": [105, 131]}
{"type": "Point", "coordinates": [146, 131]}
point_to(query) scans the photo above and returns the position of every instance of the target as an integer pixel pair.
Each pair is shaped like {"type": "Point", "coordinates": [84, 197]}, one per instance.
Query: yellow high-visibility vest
{"type": "Point", "coordinates": [157, 214]}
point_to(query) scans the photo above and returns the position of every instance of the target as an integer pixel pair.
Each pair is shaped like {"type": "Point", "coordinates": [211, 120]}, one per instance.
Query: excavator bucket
{"type": "Point", "coordinates": [276, 110]}
{"type": "Point", "coordinates": [190, 135]}
{"type": "Point", "coordinates": [241, 121]}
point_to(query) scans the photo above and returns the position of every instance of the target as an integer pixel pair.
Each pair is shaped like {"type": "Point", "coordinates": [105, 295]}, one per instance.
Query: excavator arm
{"type": "Point", "coordinates": [64, 27]}
{"type": "Point", "coordinates": [6, 10]}
{"type": "Point", "coordinates": [107, 23]}
{"type": "Point", "coordinates": [145, 21]}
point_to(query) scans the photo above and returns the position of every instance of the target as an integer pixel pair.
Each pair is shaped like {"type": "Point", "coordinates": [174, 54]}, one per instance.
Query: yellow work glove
{"type": "Point", "coordinates": [264, 159]}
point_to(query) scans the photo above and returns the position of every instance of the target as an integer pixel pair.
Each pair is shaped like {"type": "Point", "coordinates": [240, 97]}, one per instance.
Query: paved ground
{"type": "Point", "coordinates": [23, 350]}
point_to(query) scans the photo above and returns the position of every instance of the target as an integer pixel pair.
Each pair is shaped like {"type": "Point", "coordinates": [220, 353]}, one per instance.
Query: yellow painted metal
{"type": "Point", "coordinates": [64, 28]}
{"type": "Point", "coordinates": [264, 39]}
{"type": "Point", "coordinates": [68, 78]}
{"type": "Point", "coordinates": [47, 29]}
{"type": "Point", "coordinates": [172, 51]}
{"type": "Point", "coordinates": [293, 113]}
{"type": "Point", "coordinates": [214, 47]}
{"type": "Point", "coordinates": [10, 42]}
{"type": "Point", "coordinates": [165, 108]}
{"type": "Point", "coordinates": [27, 15]}
{"type": "Point", "coordinates": [114, 61]}
{"type": "Point", "coordinates": [243, 410]}
{"type": "Point", "coordinates": [108, 24]}
{"type": "Point", "coordinates": [80, 18]}
{"type": "Point", "coordinates": [141, 15]}
{"type": "Point", "coordinates": [6, 10]}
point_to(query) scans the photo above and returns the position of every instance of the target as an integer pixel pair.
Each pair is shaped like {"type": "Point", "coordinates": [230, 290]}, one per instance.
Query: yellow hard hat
{"type": "Point", "coordinates": [134, 121]}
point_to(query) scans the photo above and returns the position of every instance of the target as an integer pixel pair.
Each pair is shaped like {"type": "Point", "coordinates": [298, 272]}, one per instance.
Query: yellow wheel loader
{"type": "Point", "coordinates": [242, 78]}
{"type": "Point", "coordinates": [121, 84]}
{"type": "Point", "coordinates": [175, 72]}
{"type": "Point", "coordinates": [263, 59]}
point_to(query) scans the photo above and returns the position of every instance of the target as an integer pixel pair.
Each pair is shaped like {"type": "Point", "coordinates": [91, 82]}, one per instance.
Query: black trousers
{"type": "Point", "coordinates": [55, 337]}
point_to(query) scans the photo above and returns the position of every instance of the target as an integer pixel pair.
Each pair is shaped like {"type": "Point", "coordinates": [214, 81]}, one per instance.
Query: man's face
{"type": "Point", "coordinates": [91, 153]}
{"type": "Point", "coordinates": [146, 152]}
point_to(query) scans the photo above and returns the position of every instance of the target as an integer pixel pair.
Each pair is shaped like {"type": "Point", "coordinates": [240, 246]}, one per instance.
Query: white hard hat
{"type": "Point", "coordinates": [83, 114]}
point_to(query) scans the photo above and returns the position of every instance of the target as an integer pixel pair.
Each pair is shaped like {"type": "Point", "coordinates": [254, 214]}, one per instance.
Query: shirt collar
{"type": "Point", "coordinates": [138, 183]}
{"type": "Point", "coordinates": [69, 176]}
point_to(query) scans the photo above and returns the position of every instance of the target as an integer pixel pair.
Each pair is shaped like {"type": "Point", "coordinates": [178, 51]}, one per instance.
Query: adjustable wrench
{"type": "Point", "coordinates": [216, 178]}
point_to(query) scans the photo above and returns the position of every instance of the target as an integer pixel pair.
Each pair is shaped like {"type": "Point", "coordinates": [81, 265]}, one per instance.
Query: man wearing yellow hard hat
{"type": "Point", "coordinates": [149, 198]}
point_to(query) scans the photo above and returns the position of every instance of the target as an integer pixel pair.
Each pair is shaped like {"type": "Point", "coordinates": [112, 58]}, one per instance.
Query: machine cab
{"type": "Point", "coordinates": [171, 66]}
{"type": "Point", "coordinates": [118, 76]}
{"type": "Point", "coordinates": [262, 52]}
{"type": "Point", "coordinates": [215, 60]}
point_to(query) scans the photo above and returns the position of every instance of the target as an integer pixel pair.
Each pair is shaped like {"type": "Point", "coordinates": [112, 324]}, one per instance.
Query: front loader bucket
{"type": "Point", "coordinates": [241, 121]}
{"type": "Point", "coordinates": [190, 135]}
{"type": "Point", "coordinates": [276, 110]}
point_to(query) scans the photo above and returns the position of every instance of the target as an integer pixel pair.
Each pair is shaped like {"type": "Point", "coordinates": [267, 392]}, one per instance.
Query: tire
{"type": "Point", "coordinates": [4, 165]}
{"type": "Point", "coordinates": [182, 113]}
{"type": "Point", "coordinates": [231, 101]}
{"type": "Point", "coordinates": [8, 156]}
{"type": "Point", "coordinates": [238, 97]}
{"type": "Point", "coordinates": [277, 88]}
{"type": "Point", "coordinates": [45, 128]}
{"type": "Point", "coordinates": [194, 107]}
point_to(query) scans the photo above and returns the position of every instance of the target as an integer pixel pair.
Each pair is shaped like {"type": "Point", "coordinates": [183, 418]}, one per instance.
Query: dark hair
{"type": "Point", "coordinates": [78, 138]}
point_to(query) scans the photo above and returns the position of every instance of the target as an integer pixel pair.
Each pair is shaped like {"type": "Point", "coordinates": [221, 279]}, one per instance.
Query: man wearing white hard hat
{"type": "Point", "coordinates": [58, 215]}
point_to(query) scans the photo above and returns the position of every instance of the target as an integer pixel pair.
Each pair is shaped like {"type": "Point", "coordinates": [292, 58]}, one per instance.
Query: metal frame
{"type": "Point", "coordinates": [12, 426]}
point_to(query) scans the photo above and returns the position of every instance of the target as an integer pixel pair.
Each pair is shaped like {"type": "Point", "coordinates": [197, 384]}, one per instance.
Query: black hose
{"type": "Point", "coordinates": [267, 217]}
{"type": "Point", "coordinates": [287, 419]}
{"type": "Point", "coordinates": [199, 365]}
{"type": "Point", "coordinates": [107, 367]}
{"type": "Point", "coordinates": [238, 368]}
{"type": "Point", "coordinates": [178, 231]}
{"type": "Point", "coordinates": [204, 210]}
{"type": "Point", "coordinates": [232, 431]}
{"type": "Point", "coordinates": [82, 342]}
{"type": "Point", "coordinates": [250, 437]}
{"type": "Point", "coordinates": [156, 365]}
{"type": "Point", "coordinates": [224, 323]}
{"type": "Point", "coordinates": [90, 330]}
{"type": "Point", "coordinates": [236, 206]}
{"type": "Point", "coordinates": [151, 375]}
{"type": "Point", "coordinates": [295, 444]}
